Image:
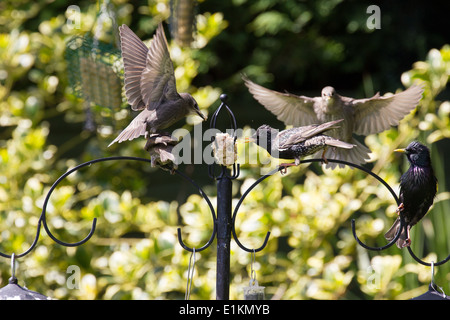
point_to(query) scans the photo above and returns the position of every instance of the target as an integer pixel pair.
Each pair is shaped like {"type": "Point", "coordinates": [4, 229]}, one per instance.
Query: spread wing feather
{"type": "Point", "coordinates": [289, 108]}
{"type": "Point", "coordinates": [377, 114]}
{"type": "Point", "coordinates": [134, 55]}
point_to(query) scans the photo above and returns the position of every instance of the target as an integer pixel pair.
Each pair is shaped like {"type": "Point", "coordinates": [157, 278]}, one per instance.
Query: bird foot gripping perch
{"type": "Point", "coordinates": [283, 166]}
{"type": "Point", "coordinates": [400, 208]}
{"type": "Point", "coordinates": [160, 146]}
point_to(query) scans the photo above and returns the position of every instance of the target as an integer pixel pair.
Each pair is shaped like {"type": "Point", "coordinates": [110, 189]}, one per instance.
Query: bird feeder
{"type": "Point", "coordinates": [95, 69]}
{"type": "Point", "coordinates": [12, 291]}
{"type": "Point", "coordinates": [182, 21]}
{"type": "Point", "coordinates": [254, 291]}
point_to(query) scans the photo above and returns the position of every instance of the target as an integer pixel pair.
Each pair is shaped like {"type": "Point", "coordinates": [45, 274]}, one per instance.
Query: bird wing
{"type": "Point", "coordinates": [134, 55]}
{"type": "Point", "coordinates": [300, 134]}
{"type": "Point", "coordinates": [289, 108]}
{"type": "Point", "coordinates": [377, 114]}
{"type": "Point", "coordinates": [158, 78]}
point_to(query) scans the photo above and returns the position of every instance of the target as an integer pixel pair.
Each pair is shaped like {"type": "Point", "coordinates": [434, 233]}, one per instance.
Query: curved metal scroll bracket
{"type": "Point", "coordinates": [47, 198]}
{"type": "Point", "coordinates": [352, 222]}
{"type": "Point", "coordinates": [233, 227]}
{"type": "Point", "coordinates": [402, 223]}
{"type": "Point", "coordinates": [94, 222]}
{"type": "Point", "coordinates": [233, 124]}
{"type": "Point", "coordinates": [36, 238]}
{"type": "Point", "coordinates": [91, 232]}
{"type": "Point", "coordinates": [397, 235]}
{"type": "Point", "coordinates": [43, 220]}
{"type": "Point", "coordinates": [428, 264]}
{"type": "Point", "coordinates": [213, 213]}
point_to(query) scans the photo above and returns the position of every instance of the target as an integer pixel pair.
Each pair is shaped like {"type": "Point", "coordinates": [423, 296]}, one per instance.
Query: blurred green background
{"type": "Point", "coordinates": [298, 46]}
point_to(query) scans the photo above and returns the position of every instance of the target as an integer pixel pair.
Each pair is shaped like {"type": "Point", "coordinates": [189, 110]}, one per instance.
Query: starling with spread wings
{"type": "Point", "coordinates": [150, 86]}
{"type": "Point", "coordinates": [361, 116]}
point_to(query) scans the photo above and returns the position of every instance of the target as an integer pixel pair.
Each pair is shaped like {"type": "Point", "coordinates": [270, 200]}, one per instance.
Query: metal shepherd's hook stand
{"type": "Point", "coordinates": [224, 225]}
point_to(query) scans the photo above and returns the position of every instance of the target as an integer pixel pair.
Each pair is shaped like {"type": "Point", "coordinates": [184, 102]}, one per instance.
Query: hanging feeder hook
{"type": "Point", "coordinates": [13, 269]}
{"type": "Point", "coordinates": [36, 238]}
{"type": "Point", "coordinates": [202, 193]}
{"type": "Point", "coordinates": [432, 264]}
{"type": "Point", "coordinates": [402, 223]}
{"type": "Point", "coordinates": [94, 222]}
{"type": "Point", "coordinates": [233, 228]}
{"type": "Point", "coordinates": [353, 220]}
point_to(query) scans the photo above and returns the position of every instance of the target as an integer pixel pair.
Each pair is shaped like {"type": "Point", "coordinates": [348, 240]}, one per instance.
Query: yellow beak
{"type": "Point", "coordinates": [400, 150]}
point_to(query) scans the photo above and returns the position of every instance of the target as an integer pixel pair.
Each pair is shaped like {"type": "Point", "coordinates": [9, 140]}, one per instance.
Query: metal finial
{"type": "Point", "coordinates": [224, 97]}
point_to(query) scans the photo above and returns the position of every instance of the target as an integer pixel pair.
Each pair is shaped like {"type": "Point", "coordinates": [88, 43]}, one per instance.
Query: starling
{"type": "Point", "coordinates": [298, 142]}
{"type": "Point", "coordinates": [150, 86]}
{"type": "Point", "coordinates": [418, 188]}
{"type": "Point", "coordinates": [361, 116]}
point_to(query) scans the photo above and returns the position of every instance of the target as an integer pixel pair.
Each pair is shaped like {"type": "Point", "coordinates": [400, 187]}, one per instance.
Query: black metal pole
{"type": "Point", "coordinates": [224, 223]}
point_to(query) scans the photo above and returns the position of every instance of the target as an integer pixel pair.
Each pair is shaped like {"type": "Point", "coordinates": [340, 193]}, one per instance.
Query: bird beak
{"type": "Point", "coordinates": [400, 150]}
{"type": "Point", "coordinates": [201, 115]}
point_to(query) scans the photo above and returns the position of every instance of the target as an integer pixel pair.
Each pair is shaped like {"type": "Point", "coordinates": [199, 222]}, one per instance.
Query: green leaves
{"type": "Point", "coordinates": [435, 71]}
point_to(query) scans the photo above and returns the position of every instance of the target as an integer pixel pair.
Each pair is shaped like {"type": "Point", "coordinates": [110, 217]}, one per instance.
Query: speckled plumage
{"type": "Point", "coordinates": [150, 86]}
{"type": "Point", "coordinates": [361, 116]}
{"type": "Point", "coordinates": [418, 187]}
{"type": "Point", "coordinates": [299, 142]}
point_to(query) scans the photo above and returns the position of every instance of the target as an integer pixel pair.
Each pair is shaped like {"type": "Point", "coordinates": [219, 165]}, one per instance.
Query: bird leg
{"type": "Point", "coordinates": [285, 165]}
{"type": "Point", "coordinates": [408, 238]}
{"type": "Point", "coordinates": [324, 159]}
{"type": "Point", "coordinates": [400, 208]}
{"type": "Point", "coordinates": [168, 167]}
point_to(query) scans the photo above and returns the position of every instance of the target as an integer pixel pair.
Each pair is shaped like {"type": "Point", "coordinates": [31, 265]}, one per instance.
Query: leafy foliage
{"type": "Point", "coordinates": [134, 253]}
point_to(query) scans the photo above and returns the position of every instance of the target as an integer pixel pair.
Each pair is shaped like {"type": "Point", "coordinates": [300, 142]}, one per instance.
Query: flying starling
{"type": "Point", "coordinates": [150, 86]}
{"type": "Point", "coordinates": [299, 142]}
{"type": "Point", "coordinates": [418, 188]}
{"type": "Point", "coordinates": [361, 116]}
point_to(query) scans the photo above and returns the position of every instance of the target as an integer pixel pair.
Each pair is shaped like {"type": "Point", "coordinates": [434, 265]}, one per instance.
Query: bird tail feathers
{"type": "Point", "coordinates": [134, 130]}
{"type": "Point", "coordinates": [403, 240]}
{"type": "Point", "coordinates": [358, 154]}
{"type": "Point", "coordinates": [338, 143]}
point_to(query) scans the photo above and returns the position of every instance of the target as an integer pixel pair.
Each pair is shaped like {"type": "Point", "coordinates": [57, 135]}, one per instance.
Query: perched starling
{"type": "Point", "coordinates": [418, 188]}
{"type": "Point", "coordinates": [361, 116]}
{"type": "Point", "coordinates": [298, 142]}
{"type": "Point", "coordinates": [150, 86]}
